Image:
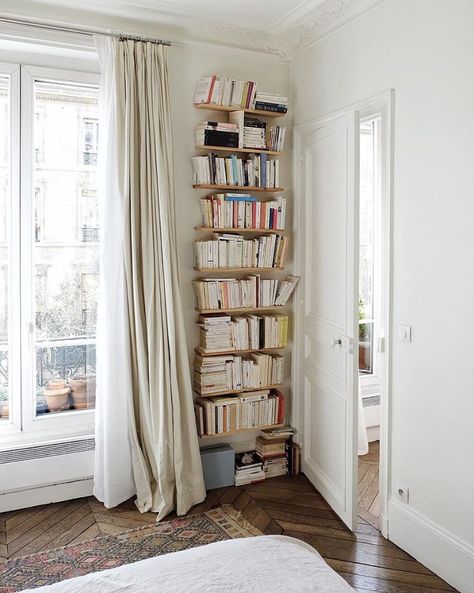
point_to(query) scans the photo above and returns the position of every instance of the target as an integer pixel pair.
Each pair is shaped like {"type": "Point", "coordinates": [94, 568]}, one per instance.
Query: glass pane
{"type": "Point", "coordinates": [66, 238]}
{"type": "Point", "coordinates": [366, 257]}
{"type": "Point", "coordinates": [366, 348]}
{"type": "Point", "coordinates": [4, 243]}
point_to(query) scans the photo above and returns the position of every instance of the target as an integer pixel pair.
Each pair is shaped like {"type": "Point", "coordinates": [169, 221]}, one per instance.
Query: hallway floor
{"type": "Point", "coordinates": [368, 495]}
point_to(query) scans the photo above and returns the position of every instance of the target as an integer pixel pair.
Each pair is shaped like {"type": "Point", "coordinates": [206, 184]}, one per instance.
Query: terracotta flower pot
{"type": "Point", "coordinates": [57, 401]}
{"type": "Point", "coordinates": [4, 410]}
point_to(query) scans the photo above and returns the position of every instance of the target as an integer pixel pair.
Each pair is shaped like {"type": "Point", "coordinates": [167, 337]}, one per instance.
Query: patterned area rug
{"type": "Point", "coordinates": [105, 552]}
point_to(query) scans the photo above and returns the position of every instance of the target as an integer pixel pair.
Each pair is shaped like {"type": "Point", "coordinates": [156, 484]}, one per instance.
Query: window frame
{"type": "Point", "coordinates": [25, 426]}
{"type": "Point", "coordinates": [371, 383]}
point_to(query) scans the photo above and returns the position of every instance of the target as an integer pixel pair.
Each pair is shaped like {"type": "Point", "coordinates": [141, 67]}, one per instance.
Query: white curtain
{"type": "Point", "coordinates": [363, 443]}
{"type": "Point", "coordinates": [146, 441]}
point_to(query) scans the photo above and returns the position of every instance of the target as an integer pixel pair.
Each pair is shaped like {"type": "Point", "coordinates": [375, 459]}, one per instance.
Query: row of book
{"type": "Point", "coordinates": [242, 211]}
{"type": "Point", "coordinates": [230, 92]}
{"type": "Point", "coordinates": [212, 133]}
{"type": "Point", "coordinates": [218, 415]}
{"type": "Point", "coordinates": [249, 292]}
{"type": "Point", "coordinates": [256, 170]}
{"type": "Point", "coordinates": [217, 374]}
{"type": "Point", "coordinates": [223, 333]}
{"type": "Point", "coordinates": [234, 251]}
{"type": "Point", "coordinates": [226, 91]}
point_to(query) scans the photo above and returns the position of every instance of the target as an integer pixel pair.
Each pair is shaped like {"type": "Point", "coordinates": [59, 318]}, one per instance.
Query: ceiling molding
{"type": "Point", "coordinates": [304, 25]}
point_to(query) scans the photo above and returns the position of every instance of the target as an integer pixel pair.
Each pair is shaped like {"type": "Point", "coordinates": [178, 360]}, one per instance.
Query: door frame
{"type": "Point", "coordinates": [381, 105]}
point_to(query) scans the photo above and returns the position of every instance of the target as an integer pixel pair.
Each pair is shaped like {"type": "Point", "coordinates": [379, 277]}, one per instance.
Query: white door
{"type": "Point", "coordinates": [327, 328]}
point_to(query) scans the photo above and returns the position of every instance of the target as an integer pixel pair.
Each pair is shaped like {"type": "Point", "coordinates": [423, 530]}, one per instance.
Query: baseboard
{"type": "Point", "coordinates": [437, 548]}
{"type": "Point", "coordinates": [46, 494]}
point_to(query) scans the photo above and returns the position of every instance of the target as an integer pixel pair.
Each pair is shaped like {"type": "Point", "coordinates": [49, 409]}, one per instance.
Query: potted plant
{"type": "Point", "coordinates": [364, 340]}
{"type": "Point", "coordinates": [56, 392]}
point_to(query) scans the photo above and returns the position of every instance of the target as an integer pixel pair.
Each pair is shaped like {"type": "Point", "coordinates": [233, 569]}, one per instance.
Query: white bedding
{"type": "Point", "coordinates": [265, 564]}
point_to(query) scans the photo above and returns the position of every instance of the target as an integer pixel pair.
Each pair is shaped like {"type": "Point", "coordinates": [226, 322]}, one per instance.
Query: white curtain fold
{"type": "Point", "coordinates": [146, 441]}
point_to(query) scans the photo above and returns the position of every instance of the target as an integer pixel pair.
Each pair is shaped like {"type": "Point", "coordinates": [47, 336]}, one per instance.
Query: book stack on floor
{"type": "Point", "coordinates": [273, 455]}
{"type": "Point", "coordinates": [232, 250]}
{"type": "Point", "coordinates": [228, 413]}
{"type": "Point", "coordinates": [228, 92]}
{"type": "Point", "coordinates": [212, 133]}
{"type": "Point", "coordinates": [217, 374]}
{"type": "Point", "coordinates": [248, 468]}
{"type": "Point", "coordinates": [255, 170]}
{"type": "Point", "coordinates": [271, 102]}
{"type": "Point", "coordinates": [248, 292]}
{"type": "Point", "coordinates": [242, 211]}
{"type": "Point", "coordinates": [245, 332]}
{"type": "Point", "coordinates": [279, 454]}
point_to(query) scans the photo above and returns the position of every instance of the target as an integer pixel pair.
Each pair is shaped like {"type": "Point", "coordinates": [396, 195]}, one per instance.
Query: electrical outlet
{"type": "Point", "coordinates": [404, 493]}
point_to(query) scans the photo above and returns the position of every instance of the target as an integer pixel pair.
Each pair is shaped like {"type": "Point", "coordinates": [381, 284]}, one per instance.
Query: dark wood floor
{"type": "Point", "coordinates": [368, 495]}
{"type": "Point", "coordinates": [289, 506]}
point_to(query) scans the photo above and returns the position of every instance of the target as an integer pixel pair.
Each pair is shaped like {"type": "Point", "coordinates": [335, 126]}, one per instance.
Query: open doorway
{"type": "Point", "coordinates": [371, 341]}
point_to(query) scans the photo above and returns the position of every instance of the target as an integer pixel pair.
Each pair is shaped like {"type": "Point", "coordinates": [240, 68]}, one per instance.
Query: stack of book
{"type": "Point", "coordinates": [248, 332]}
{"type": "Point", "coordinates": [293, 453]}
{"type": "Point", "coordinates": [242, 211]}
{"type": "Point", "coordinates": [273, 455]}
{"type": "Point", "coordinates": [216, 332]}
{"type": "Point", "coordinates": [225, 91]}
{"type": "Point", "coordinates": [234, 251]}
{"type": "Point", "coordinates": [228, 413]}
{"type": "Point", "coordinates": [249, 292]}
{"type": "Point", "coordinates": [212, 133]}
{"type": "Point", "coordinates": [256, 170]}
{"type": "Point", "coordinates": [217, 374]}
{"type": "Point", "coordinates": [248, 468]}
{"type": "Point", "coordinates": [271, 102]}
{"type": "Point", "coordinates": [255, 133]}
{"type": "Point", "coordinates": [275, 139]}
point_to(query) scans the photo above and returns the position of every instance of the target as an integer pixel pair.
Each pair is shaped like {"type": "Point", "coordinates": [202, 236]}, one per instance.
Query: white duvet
{"type": "Point", "coordinates": [265, 564]}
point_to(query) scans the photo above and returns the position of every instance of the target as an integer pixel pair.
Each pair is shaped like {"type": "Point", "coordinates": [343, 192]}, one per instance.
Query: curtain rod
{"type": "Point", "coordinates": [78, 31]}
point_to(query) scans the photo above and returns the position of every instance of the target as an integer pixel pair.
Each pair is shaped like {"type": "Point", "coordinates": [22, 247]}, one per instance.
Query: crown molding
{"type": "Point", "coordinates": [300, 28]}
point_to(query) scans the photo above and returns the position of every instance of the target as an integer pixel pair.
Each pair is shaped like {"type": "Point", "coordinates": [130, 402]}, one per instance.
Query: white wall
{"type": "Point", "coordinates": [423, 49]}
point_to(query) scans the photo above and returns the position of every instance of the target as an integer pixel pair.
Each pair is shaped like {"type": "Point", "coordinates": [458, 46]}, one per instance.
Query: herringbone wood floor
{"type": "Point", "coordinates": [289, 506]}
{"type": "Point", "coordinates": [368, 494]}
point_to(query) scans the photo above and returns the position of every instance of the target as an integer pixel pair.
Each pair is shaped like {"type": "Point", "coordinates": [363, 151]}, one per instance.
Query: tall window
{"type": "Point", "coordinates": [58, 269]}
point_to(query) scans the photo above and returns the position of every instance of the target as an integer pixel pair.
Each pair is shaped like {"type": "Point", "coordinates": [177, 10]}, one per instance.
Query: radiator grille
{"type": "Point", "coordinates": [371, 400]}
{"type": "Point", "coordinates": [42, 451]}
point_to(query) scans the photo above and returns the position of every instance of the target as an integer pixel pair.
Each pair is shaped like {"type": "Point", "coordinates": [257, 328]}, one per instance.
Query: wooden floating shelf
{"type": "Point", "coordinates": [201, 352]}
{"type": "Point", "coordinates": [241, 309]}
{"type": "Point", "coordinates": [232, 188]}
{"type": "Point", "coordinates": [240, 150]}
{"type": "Point", "coordinates": [226, 108]}
{"type": "Point", "coordinates": [236, 391]}
{"type": "Point", "coordinates": [224, 434]}
{"type": "Point", "coordinates": [238, 231]}
{"type": "Point", "coordinates": [222, 270]}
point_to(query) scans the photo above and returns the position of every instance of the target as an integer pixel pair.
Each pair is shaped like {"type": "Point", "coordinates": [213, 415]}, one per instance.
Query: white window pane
{"type": "Point", "coordinates": [66, 248]}
{"type": "Point", "coordinates": [4, 245]}
{"type": "Point", "coordinates": [366, 248]}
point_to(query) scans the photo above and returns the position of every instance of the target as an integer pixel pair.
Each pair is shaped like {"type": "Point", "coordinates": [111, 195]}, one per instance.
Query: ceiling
{"type": "Point", "coordinates": [278, 27]}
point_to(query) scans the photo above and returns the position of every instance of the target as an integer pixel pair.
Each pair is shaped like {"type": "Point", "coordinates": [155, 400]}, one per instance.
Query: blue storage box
{"type": "Point", "coordinates": [218, 466]}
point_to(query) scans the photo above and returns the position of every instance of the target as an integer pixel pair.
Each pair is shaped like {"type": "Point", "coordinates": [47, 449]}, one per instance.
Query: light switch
{"type": "Point", "coordinates": [404, 333]}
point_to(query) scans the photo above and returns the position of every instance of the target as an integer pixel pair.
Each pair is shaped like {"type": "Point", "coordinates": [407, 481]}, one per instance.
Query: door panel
{"type": "Point", "coordinates": [329, 183]}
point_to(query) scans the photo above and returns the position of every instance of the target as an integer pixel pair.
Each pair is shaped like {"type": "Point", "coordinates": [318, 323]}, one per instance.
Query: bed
{"type": "Point", "coordinates": [263, 564]}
